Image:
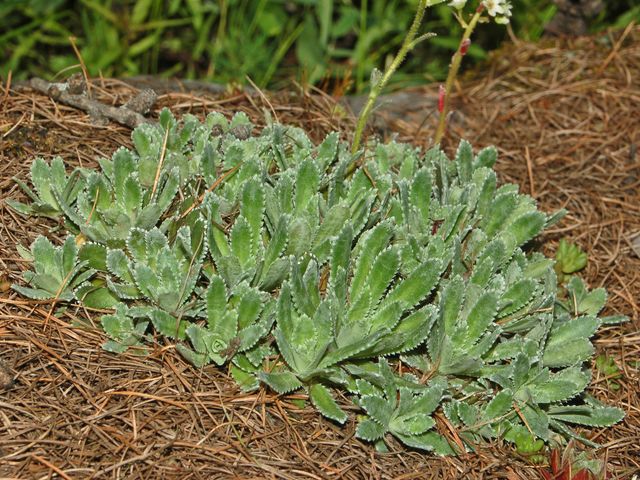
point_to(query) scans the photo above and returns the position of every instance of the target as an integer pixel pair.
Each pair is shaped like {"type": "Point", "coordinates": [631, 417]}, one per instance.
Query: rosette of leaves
{"type": "Point", "coordinates": [51, 183]}
{"type": "Point", "coordinates": [122, 196]}
{"type": "Point", "coordinates": [398, 405]}
{"type": "Point", "coordinates": [569, 259]}
{"type": "Point", "coordinates": [312, 202]}
{"type": "Point", "coordinates": [279, 216]}
{"type": "Point", "coordinates": [366, 312]}
{"type": "Point", "coordinates": [533, 400]}
{"type": "Point", "coordinates": [161, 274]}
{"type": "Point", "coordinates": [247, 252]}
{"type": "Point", "coordinates": [236, 321]}
{"type": "Point", "coordinates": [126, 328]}
{"type": "Point", "coordinates": [57, 272]}
{"type": "Point", "coordinates": [187, 146]}
{"type": "Point", "coordinates": [499, 319]}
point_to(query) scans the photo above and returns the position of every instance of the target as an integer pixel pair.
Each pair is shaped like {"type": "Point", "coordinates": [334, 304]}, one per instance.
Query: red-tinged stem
{"type": "Point", "coordinates": [453, 71]}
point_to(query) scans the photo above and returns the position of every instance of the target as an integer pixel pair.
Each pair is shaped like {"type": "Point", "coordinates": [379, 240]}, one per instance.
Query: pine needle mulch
{"type": "Point", "coordinates": [565, 118]}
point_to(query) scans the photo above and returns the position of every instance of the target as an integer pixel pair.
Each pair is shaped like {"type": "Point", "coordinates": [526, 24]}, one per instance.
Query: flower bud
{"type": "Point", "coordinates": [464, 46]}
{"type": "Point", "coordinates": [441, 94]}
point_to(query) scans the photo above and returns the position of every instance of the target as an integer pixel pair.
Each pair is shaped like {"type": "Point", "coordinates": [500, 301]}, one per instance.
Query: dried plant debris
{"type": "Point", "coordinates": [148, 417]}
{"type": "Point", "coordinates": [74, 92]}
{"type": "Point", "coordinates": [6, 378]}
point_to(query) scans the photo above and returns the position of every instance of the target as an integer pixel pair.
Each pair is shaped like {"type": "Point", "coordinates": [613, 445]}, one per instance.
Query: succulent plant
{"type": "Point", "coordinates": [569, 259]}
{"type": "Point", "coordinates": [51, 183]}
{"type": "Point", "coordinates": [401, 406]}
{"type": "Point", "coordinates": [57, 272]}
{"type": "Point", "coordinates": [403, 282]}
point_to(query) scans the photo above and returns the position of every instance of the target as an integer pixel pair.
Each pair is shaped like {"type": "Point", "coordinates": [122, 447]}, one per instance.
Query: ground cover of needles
{"type": "Point", "coordinates": [561, 115]}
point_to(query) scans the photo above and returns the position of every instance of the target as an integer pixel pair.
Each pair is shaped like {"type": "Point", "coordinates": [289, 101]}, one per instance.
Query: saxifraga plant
{"type": "Point", "coordinates": [406, 284]}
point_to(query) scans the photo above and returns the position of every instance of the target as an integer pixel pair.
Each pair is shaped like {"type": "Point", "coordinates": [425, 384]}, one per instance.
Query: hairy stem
{"type": "Point", "coordinates": [453, 72]}
{"type": "Point", "coordinates": [376, 89]}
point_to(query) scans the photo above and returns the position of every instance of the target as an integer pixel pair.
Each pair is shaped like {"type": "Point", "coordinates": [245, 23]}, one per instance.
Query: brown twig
{"type": "Point", "coordinates": [121, 115]}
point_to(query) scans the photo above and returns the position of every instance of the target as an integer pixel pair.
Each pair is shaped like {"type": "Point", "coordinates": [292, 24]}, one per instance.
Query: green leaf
{"type": "Point", "coordinates": [147, 281]}
{"type": "Point", "coordinates": [119, 325]}
{"type": "Point", "coordinates": [517, 296]}
{"type": "Point", "coordinates": [378, 408]}
{"type": "Point", "coordinates": [42, 181]}
{"type": "Point", "coordinates": [328, 150]}
{"type": "Point", "coordinates": [69, 257]}
{"type": "Point", "coordinates": [242, 242]}
{"type": "Point", "coordinates": [114, 347]}
{"type": "Point", "coordinates": [277, 243]}
{"type": "Point", "coordinates": [217, 305]}
{"type": "Point", "coordinates": [250, 336]}
{"type": "Point", "coordinates": [197, 336]}
{"type": "Point", "coordinates": [136, 245]}
{"type": "Point", "coordinates": [561, 386]}
{"type": "Point", "coordinates": [249, 308]}
{"type": "Point", "coordinates": [167, 192]}
{"type": "Point", "coordinates": [413, 289]}
{"type": "Point", "coordinates": [429, 441]}
{"type": "Point", "coordinates": [569, 343]}
{"type": "Point", "coordinates": [408, 334]}
{"type": "Point", "coordinates": [281, 382]}
{"type": "Point", "coordinates": [370, 247]}
{"type": "Point", "coordinates": [370, 430]}
{"type": "Point", "coordinates": [480, 317]}
{"type": "Point", "coordinates": [332, 224]}
{"type": "Point", "coordinates": [96, 296]}
{"type": "Point", "coordinates": [521, 368]}
{"type": "Point", "coordinates": [526, 443]}
{"type": "Point", "coordinates": [323, 400]}
{"type": "Point", "coordinates": [451, 301]}
{"type": "Point", "coordinates": [299, 235]}
{"type": "Point", "coordinates": [463, 160]}
{"type": "Point", "coordinates": [415, 424]}
{"type": "Point", "coordinates": [499, 405]}
{"type": "Point", "coordinates": [132, 195]}
{"type": "Point", "coordinates": [168, 325]}
{"type": "Point", "coordinates": [486, 157]}
{"type": "Point", "coordinates": [276, 274]}
{"type": "Point", "coordinates": [581, 327]}
{"type": "Point", "coordinates": [307, 182]}
{"type": "Point", "coordinates": [567, 353]}
{"type": "Point", "coordinates": [383, 271]}
{"type": "Point", "coordinates": [614, 319]}
{"type": "Point", "coordinates": [341, 251]}
{"type": "Point", "coordinates": [420, 196]}
{"type": "Point", "coordinates": [95, 255]}
{"type": "Point", "coordinates": [593, 302]}
{"type": "Point", "coordinates": [252, 206]}
{"type": "Point", "coordinates": [247, 381]}
{"type": "Point", "coordinates": [592, 416]}
{"type": "Point", "coordinates": [570, 258]}
{"type": "Point", "coordinates": [526, 227]}
{"type": "Point", "coordinates": [198, 360]}
{"type": "Point", "coordinates": [537, 421]}
{"type": "Point", "coordinates": [44, 255]}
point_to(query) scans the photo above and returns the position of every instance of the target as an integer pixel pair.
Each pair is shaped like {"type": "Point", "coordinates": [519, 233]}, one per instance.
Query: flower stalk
{"type": "Point", "coordinates": [408, 44]}
{"type": "Point", "coordinates": [443, 104]}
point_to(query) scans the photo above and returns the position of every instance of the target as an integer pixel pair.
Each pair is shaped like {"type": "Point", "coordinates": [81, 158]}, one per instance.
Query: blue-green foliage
{"type": "Point", "coordinates": [248, 248]}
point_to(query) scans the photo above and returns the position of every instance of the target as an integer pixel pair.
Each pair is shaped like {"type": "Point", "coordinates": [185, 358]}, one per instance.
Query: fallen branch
{"type": "Point", "coordinates": [73, 93]}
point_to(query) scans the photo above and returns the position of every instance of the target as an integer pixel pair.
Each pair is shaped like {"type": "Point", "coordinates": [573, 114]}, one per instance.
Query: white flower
{"type": "Point", "coordinates": [503, 18]}
{"type": "Point", "coordinates": [494, 7]}
{"type": "Point", "coordinates": [457, 4]}
{"type": "Point", "coordinates": [506, 9]}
